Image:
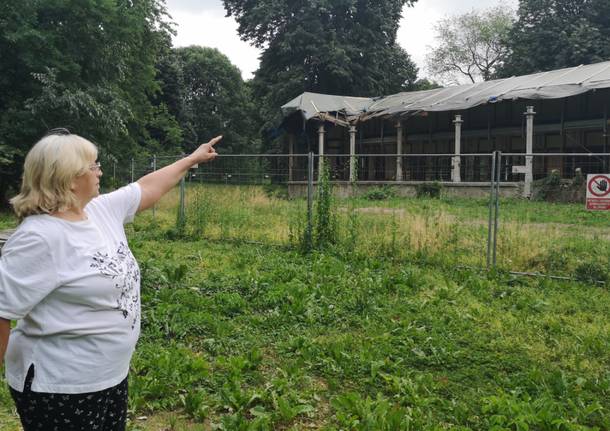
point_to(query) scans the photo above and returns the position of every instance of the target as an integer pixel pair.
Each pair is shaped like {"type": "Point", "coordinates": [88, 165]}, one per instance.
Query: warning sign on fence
{"type": "Point", "coordinates": [598, 192]}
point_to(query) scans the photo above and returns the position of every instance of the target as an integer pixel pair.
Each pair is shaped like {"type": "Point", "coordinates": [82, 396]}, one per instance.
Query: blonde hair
{"type": "Point", "coordinates": [49, 169]}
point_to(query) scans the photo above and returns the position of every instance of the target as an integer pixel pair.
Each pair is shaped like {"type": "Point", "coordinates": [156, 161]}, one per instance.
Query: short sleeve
{"type": "Point", "coordinates": [121, 204]}
{"type": "Point", "coordinates": [27, 274]}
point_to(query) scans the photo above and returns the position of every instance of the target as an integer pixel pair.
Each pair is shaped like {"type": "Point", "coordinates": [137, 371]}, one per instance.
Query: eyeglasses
{"type": "Point", "coordinates": [96, 167]}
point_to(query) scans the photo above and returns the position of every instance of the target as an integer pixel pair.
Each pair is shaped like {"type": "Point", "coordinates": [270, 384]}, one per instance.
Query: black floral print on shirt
{"type": "Point", "coordinates": [123, 269]}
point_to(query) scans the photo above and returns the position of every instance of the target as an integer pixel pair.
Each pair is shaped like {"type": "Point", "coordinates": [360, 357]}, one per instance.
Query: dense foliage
{"type": "Point", "coordinates": [551, 34]}
{"type": "Point", "coordinates": [208, 97]}
{"type": "Point", "coordinates": [106, 70]}
{"type": "Point", "coordinates": [87, 65]}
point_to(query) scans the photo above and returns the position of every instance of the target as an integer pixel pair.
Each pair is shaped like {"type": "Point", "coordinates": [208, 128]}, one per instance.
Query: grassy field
{"type": "Point", "coordinates": [555, 239]}
{"type": "Point", "coordinates": [390, 328]}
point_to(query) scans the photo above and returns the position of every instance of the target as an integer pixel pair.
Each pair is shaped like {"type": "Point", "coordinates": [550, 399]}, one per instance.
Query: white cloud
{"type": "Point", "coordinates": [212, 29]}
{"type": "Point", "coordinates": [195, 6]}
{"type": "Point", "coordinates": [416, 30]}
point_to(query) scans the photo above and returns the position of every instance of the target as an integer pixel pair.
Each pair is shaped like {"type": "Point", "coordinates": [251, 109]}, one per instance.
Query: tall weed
{"type": "Point", "coordinates": [325, 222]}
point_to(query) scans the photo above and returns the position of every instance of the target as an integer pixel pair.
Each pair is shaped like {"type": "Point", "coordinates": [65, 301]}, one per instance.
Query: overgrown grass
{"type": "Point", "coordinates": [241, 331]}
{"type": "Point", "coordinates": [255, 337]}
{"type": "Point", "coordinates": [557, 239]}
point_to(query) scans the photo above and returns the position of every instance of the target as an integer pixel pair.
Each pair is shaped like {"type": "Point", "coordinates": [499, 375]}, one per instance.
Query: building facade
{"type": "Point", "coordinates": [448, 134]}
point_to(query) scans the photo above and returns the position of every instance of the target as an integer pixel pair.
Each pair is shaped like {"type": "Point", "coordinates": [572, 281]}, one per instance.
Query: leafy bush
{"type": "Point", "coordinates": [230, 303]}
{"type": "Point", "coordinates": [519, 411]}
{"type": "Point", "coordinates": [592, 272]}
{"type": "Point", "coordinates": [356, 413]}
{"type": "Point", "coordinates": [175, 274]}
{"type": "Point", "coordinates": [552, 188]}
{"type": "Point", "coordinates": [158, 374]}
{"type": "Point", "coordinates": [545, 186]}
{"type": "Point", "coordinates": [194, 404]}
{"type": "Point", "coordinates": [380, 193]}
{"type": "Point", "coordinates": [153, 277]}
{"type": "Point", "coordinates": [432, 190]}
{"type": "Point", "coordinates": [276, 191]}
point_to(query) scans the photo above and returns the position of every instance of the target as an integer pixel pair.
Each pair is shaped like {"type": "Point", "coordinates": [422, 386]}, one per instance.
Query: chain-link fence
{"type": "Point", "coordinates": [552, 232]}
{"type": "Point", "coordinates": [467, 210]}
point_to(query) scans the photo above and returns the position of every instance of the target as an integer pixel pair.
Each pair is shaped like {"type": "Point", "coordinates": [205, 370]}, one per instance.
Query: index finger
{"type": "Point", "coordinates": [213, 141]}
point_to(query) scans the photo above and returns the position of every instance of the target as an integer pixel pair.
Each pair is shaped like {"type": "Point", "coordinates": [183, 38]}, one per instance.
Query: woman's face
{"type": "Point", "coordinates": [87, 186]}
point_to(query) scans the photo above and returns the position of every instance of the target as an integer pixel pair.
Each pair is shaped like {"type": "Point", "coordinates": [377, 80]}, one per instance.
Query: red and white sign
{"type": "Point", "coordinates": [598, 192]}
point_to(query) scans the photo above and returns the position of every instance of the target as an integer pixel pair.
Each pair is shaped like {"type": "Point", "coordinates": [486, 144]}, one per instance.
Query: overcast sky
{"type": "Point", "coordinates": [203, 22]}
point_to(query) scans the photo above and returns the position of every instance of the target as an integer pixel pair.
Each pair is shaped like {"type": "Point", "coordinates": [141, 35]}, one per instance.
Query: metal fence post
{"type": "Point", "coordinates": [491, 206]}
{"type": "Point", "coordinates": [309, 231]}
{"type": "Point", "coordinates": [496, 214]}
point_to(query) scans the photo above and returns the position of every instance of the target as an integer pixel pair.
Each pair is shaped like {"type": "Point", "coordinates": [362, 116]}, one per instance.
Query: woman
{"type": "Point", "coordinates": [69, 279]}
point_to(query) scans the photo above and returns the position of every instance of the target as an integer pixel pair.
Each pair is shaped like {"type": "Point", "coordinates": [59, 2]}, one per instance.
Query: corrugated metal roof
{"type": "Point", "coordinates": [545, 85]}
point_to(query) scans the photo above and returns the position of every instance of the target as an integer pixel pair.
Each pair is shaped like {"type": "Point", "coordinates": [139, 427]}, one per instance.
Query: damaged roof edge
{"type": "Point", "coordinates": [543, 85]}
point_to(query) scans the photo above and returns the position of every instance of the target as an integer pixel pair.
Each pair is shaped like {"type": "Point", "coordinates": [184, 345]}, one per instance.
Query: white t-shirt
{"type": "Point", "coordinates": [74, 288]}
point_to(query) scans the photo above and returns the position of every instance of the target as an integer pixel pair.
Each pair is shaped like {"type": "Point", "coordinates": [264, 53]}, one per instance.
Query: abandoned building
{"type": "Point", "coordinates": [448, 134]}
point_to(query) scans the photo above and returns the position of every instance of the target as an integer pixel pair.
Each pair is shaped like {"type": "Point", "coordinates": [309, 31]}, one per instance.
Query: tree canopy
{"type": "Point", "coordinates": [345, 47]}
{"type": "Point", "coordinates": [552, 34]}
{"type": "Point", "coordinates": [105, 69]}
{"type": "Point", "coordinates": [88, 65]}
{"type": "Point", "coordinates": [208, 97]}
{"type": "Point", "coordinates": [471, 46]}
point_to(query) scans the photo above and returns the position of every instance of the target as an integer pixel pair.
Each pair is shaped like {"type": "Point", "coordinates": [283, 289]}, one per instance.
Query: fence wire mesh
{"type": "Point", "coordinates": [553, 233]}
{"type": "Point", "coordinates": [433, 206]}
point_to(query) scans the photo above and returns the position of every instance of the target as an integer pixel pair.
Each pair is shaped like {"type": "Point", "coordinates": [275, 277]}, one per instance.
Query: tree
{"type": "Point", "coordinates": [85, 64]}
{"type": "Point", "coordinates": [425, 84]}
{"type": "Point", "coordinates": [470, 46]}
{"type": "Point", "coordinates": [552, 34]}
{"type": "Point", "coordinates": [208, 97]}
{"type": "Point", "coordinates": [345, 47]}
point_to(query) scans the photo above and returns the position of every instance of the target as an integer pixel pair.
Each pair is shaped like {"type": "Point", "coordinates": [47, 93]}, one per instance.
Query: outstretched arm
{"type": "Point", "coordinates": [5, 328]}
{"type": "Point", "coordinates": [156, 184]}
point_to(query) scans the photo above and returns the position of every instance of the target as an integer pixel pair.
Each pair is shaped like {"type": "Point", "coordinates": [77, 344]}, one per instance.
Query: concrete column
{"type": "Point", "coordinates": [320, 149]}
{"type": "Point", "coordinates": [456, 162]}
{"type": "Point", "coordinates": [352, 153]}
{"type": "Point", "coordinates": [529, 146]}
{"type": "Point", "coordinates": [291, 142]}
{"type": "Point", "coordinates": [399, 151]}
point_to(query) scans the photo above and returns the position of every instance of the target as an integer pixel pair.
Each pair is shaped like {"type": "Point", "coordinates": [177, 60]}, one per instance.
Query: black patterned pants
{"type": "Point", "coordinates": [101, 411]}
